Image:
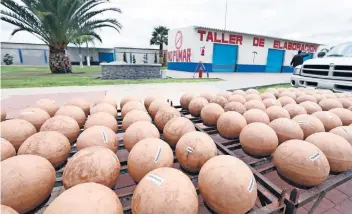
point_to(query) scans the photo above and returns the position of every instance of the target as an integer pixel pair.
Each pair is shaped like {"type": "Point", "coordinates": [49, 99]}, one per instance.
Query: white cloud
{"type": "Point", "coordinates": [322, 21]}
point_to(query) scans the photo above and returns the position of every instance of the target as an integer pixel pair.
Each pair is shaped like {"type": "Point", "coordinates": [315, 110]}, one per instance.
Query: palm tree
{"type": "Point", "coordinates": [87, 39]}
{"type": "Point", "coordinates": [159, 37]}
{"type": "Point", "coordinates": [57, 23]}
{"type": "Point", "coordinates": [79, 41]}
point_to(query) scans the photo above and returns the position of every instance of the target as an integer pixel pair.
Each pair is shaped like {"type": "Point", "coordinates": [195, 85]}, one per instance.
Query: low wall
{"type": "Point", "coordinates": [116, 70]}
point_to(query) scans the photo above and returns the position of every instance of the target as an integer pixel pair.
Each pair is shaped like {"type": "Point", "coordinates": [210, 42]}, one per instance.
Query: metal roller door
{"type": "Point", "coordinates": [224, 57]}
{"type": "Point", "coordinates": [274, 61]}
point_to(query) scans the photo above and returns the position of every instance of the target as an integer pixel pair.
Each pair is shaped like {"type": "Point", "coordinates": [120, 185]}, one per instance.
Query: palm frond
{"type": "Point", "coordinates": [77, 41]}
{"type": "Point", "coordinates": [85, 7]}
{"type": "Point", "coordinates": [88, 38]}
{"type": "Point", "coordinates": [58, 22]}
{"type": "Point", "coordinates": [91, 14]}
{"type": "Point", "coordinates": [159, 36]}
{"type": "Point", "coordinates": [93, 35]}
{"type": "Point", "coordinates": [23, 16]}
{"type": "Point", "coordinates": [23, 27]}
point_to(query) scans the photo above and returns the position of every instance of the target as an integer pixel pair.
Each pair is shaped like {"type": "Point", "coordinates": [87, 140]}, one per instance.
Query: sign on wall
{"type": "Point", "coordinates": [229, 38]}
{"type": "Point", "coordinates": [178, 40]}
{"type": "Point", "coordinates": [179, 55]}
{"type": "Point", "coordinates": [220, 37]}
{"type": "Point", "coordinates": [294, 46]}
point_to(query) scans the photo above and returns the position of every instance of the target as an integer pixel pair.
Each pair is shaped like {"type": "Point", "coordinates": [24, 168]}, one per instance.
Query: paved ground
{"type": "Point", "coordinates": [336, 201]}
{"type": "Point", "coordinates": [15, 99]}
{"type": "Point", "coordinates": [239, 79]}
{"type": "Point", "coordinates": [232, 81]}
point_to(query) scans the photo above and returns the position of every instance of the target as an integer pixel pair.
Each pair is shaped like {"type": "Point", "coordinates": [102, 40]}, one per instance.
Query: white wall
{"type": "Point", "coordinates": [151, 58]}
{"type": "Point", "coordinates": [73, 52]}
{"type": "Point", "coordinates": [189, 41]}
{"type": "Point", "coordinates": [33, 57]}
{"type": "Point", "coordinates": [138, 53]}
{"type": "Point", "coordinates": [32, 54]}
{"type": "Point", "coordinates": [119, 57]}
{"type": "Point", "coordinates": [246, 55]}
{"type": "Point", "coordinates": [192, 40]}
{"type": "Point", "coordinates": [13, 53]}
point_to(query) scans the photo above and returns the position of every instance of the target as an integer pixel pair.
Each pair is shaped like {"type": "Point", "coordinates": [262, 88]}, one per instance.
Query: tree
{"type": "Point", "coordinates": [134, 59]}
{"type": "Point", "coordinates": [155, 58]}
{"type": "Point", "coordinates": [160, 37]}
{"type": "Point", "coordinates": [165, 58]}
{"type": "Point", "coordinates": [124, 57]}
{"type": "Point", "coordinates": [58, 22]}
{"type": "Point", "coordinates": [83, 40]}
{"type": "Point", "coordinates": [86, 39]}
{"type": "Point", "coordinates": [78, 42]}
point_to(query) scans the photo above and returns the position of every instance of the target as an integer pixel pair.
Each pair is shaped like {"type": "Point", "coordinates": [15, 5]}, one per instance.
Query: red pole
{"type": "Point", "coordinates": [200, 73]}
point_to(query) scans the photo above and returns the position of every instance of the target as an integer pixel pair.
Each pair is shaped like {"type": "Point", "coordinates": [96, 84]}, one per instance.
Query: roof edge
{"type": "Point", "coordinates": [138, 48]}
{"type": "Point", "coordinates": [73, 46]}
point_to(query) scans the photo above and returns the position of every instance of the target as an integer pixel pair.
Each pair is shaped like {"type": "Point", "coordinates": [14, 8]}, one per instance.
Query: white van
{"type": "Point", "coordinates": [332, 71]}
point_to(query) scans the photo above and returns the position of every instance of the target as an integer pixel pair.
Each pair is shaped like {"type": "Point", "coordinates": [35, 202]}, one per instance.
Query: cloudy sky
{"type": "Point", "coordinates": [322, 21]}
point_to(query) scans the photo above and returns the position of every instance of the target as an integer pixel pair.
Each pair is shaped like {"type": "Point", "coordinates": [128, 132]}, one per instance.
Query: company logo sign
{"type": "Point", "coordinates": [179, 55]}
{"type": "Point", "coordinates": [178, 40]}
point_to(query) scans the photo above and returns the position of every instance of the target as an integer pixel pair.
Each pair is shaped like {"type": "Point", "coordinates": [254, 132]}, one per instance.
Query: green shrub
{"type": "Point", "coordinates": [8, 59]}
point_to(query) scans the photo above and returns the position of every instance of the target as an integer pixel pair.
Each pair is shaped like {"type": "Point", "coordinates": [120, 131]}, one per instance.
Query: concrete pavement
{"type": "Point", "coordinates": [235, 77]}
{"type": "Point", "coordinates": [238, 80]}
{"type": "Point", "coordinates": [231, 81]}
{"type": "Point", "coordinates": [18, 98]}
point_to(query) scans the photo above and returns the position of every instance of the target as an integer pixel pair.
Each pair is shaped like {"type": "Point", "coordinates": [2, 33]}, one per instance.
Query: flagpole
{"type": "Point", "coordinates": [225, 14]}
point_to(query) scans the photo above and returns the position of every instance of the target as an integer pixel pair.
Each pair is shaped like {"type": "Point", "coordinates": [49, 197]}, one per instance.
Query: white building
{"type": "Point", "coordinates": [38, 54]}
{"type": "Point", "coordinates": [229, 51]}
{"type": "Point", "coordinates": [27, 54]}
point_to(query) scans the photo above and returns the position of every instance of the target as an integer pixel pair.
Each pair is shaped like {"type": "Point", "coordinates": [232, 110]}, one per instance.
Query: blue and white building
{"type": "Point", "coordinates": [231, 51]}
{"type": "Point", "coordinates": [38, 54]}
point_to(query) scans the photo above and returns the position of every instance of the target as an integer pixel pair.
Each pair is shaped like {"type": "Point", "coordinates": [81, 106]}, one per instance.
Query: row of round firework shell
{"type": "Point", "coordinates": [277, 121]}
{"type": "Point", "coordinates": [97, 160]}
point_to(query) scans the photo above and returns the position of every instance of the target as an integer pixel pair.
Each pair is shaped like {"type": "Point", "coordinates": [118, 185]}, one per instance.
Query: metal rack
{"type": "Point", "coordinates": [266, 174]}
{"type": "Point", "coordinates": [267, 202]}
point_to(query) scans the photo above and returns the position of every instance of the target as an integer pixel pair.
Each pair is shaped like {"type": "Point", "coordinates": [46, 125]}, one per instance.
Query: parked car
{"type": "Point", "coordinates": [331, 71]}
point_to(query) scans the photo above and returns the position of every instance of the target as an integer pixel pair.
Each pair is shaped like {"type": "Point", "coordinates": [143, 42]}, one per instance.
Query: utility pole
{"type": "Point", "coordinates": [225, 14]}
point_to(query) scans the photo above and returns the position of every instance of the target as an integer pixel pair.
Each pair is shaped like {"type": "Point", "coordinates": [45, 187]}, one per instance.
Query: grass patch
{"type": "Point", "coordinates": [44, 69]}
{"type": "Point", "coordinates": [262, 89]}
{"type": "Point", "coordinates": [37, 76]}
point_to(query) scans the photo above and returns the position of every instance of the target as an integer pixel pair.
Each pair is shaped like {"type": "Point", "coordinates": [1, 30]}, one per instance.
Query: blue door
{"type": "Point", "coordinates": [224, 58]}
{"type": "Point", "coordinates": [310, 56]}
{"type": "Point", "coordinates": [106, 57]}
{"type": "Point", "coordinates": [274, 61]}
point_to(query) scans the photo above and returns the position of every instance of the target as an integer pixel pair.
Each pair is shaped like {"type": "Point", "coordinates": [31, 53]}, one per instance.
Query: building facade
{"type": "Point", "coordinates": [229, 51]}
{"type": "Point", "coordinates": [38, 54]}
{"type": "Point", "coordinates": [26, 54]}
